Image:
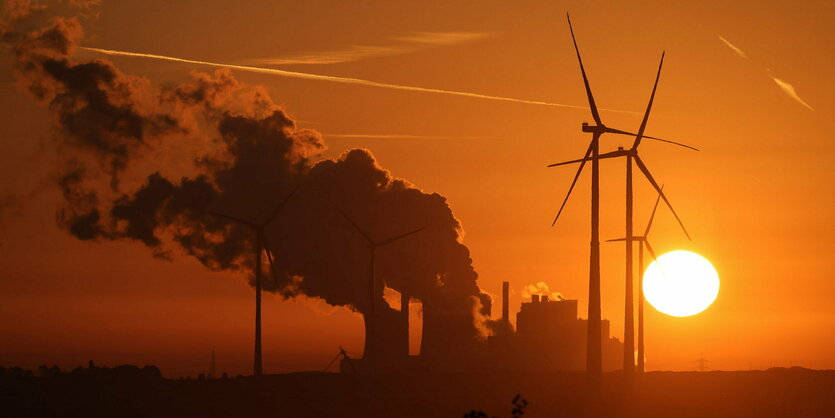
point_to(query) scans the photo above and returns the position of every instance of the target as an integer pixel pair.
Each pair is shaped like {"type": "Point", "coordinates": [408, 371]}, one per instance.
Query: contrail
{"type": "Point", "coordinates": [405, 44]}
{"type": "Point", "coordinates": [336, 79]}
{"type": "Point", "coordinates": [733, 47]}
{"type": "Point", "coordinates": [789, 90]}
{"type": "Point", "coordinates": [402, 136]}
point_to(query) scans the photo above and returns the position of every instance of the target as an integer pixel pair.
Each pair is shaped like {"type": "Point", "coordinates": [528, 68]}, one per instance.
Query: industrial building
{"type": "Point", "coordinates": [548, 337]}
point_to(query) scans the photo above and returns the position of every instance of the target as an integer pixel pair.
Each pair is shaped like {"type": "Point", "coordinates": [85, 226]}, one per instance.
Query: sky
{"type": "Point", "coordinates": [747, 83]}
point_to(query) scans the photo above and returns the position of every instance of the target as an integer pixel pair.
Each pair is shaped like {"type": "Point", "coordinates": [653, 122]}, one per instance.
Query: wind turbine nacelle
{"type": "Point", "coordinates": [590, 128]}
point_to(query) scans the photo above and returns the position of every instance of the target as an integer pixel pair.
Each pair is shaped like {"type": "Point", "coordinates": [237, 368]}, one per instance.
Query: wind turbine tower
{"type": "Point", "coordinates": [594, 367]}
{"type": "Point", "coordinates": [631, 156]}
{"type": "Point", "coordinates": [261, 245]}
{"type": "Point", "coordinates": [372, 349]}
{"type": "Point", "coordinates": [643, 241]}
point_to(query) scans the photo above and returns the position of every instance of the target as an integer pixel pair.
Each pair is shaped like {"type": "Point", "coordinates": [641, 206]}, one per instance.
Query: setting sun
{"type": "Point", "coordinates": [681, 283]}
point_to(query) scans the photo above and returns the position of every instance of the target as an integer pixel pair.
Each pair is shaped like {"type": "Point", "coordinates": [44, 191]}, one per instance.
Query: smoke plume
{"type": "Point", "coordinates": [10, 205]}
{"type": "Point", "coordinates": [151, 163]}
{"type": "Point", "coordinates": [542, 289]}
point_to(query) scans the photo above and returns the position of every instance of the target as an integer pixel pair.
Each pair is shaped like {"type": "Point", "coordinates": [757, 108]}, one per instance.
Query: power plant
{"type": "Point", "coordinates": [548, 337]}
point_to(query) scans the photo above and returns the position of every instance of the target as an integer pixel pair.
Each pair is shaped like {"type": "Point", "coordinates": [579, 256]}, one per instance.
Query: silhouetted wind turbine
{"type": "Point", "coordinates": [632, 154]}
{"type": "Point", "coordinates": [594, 344]}
{"type": "Point", "coordinates": [261, 244]}
{"type": "Point", "coordinates": [372, 350]}
{"type": "Point", "coordinates": [644, 242]}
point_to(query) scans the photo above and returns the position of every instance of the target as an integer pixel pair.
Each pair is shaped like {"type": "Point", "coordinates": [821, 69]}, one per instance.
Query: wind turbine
{"type": "Point", "coordinates": [594, 366]}
{"type": "Point", "coordinates": [644, 242]}
{"type": "Point", "coordinates": [261, 244]}
{"type": "Point", "coordinates": [372, 352]}
{"type": "Point", "coordinates": [632, 154]}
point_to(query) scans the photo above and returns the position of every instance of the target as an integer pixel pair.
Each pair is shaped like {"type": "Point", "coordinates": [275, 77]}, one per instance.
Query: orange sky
{"type": "Point", "coordinates": [757, 200]}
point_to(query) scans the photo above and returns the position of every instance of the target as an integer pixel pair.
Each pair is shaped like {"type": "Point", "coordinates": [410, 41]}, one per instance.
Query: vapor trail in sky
{"type": "Point", "coordinates": [336, 79]}
{"type": "Point", "coordinates": [401, 136]}
{"type": "Point", "coordinates": [404, 44]}
{"type": "Point", "coordinates": [733, 47]}
{"type": "Point", "coordinates": [787, 88]}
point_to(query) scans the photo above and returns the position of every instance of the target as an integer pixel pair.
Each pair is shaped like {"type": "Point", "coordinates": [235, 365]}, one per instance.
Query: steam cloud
{"type": "Point", "coordinates": [10, 205]}
{"type": "Point", "coordinates": [540, 288]}
{"type": "Point", "coordinates": [149, 163]}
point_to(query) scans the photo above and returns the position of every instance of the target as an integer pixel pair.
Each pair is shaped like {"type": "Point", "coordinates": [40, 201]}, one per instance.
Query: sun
{"type": "Point", "coordinates": [681, 283]}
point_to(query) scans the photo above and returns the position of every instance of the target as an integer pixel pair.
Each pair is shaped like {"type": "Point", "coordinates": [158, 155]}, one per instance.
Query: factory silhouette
{"type": "Point", "coordinates": [548, 337]}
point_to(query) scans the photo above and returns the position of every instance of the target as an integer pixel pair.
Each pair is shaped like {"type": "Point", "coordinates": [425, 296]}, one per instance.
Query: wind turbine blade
{"type": "Point", "coordinates": [357, 227]}
{"type": "Point", "coordinates": [612, 154]}
{"type": "Point", "coordinates": [331, 362]}
{"type": "Point", "coordinates": [232, 218]}
{"type": "Point", "coordinates": [649, 105]}
{"type": "Point", "coordinates": [647, 174]}
{"type": "Point", "coordinates": [672, 142]}
{"type": "Point", "coordinates": [269, 253]}
{"type": "Point", "coordinates": [345, 215]}
{"type": "Point", "coordinates": [573, 182]}
{"type": "Point", "coordinates": [651, 252]}
{"type": "Point", "coordinates": [568, 162]}
{"type": "Point", "coordinates": [616, 240]}
{"type": "Point", "coordinates": [270, 258]}
{"type": "Point", "coordinates": [592, 105]}
{"type": "Point", "coordinates": [620, 132]}
{"type": "Point", "coordinates": [652, 215]}
{"type": "Point", "coordinates": [401, 236]}
{"type": "Point", "coordinates": [280, 206]}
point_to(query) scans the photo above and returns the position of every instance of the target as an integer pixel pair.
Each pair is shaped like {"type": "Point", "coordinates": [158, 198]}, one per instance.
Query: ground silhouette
{"type": "Point", "coordinates": [130, 391]}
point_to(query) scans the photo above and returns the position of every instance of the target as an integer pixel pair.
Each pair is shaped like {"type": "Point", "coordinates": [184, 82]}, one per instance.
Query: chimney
{"type": "Point", "coordinates": [535, 298]}
{"type": "Point", "coordinates": [404, 315]}
{"type": "Point", "coordinates": [505, 302]}
{"type": "Point", "coordinates": [545, 298]}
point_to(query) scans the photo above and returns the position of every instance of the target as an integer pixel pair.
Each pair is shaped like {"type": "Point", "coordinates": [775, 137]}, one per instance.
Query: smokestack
{"type": "Point", "coordinates": [404, 315]}
{"type": "Point", "coordinates": [505, 302]}
{"type": "Point", "coordinates": [535, 298]}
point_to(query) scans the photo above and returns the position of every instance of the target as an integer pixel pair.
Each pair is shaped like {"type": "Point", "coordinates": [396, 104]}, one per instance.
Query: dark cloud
{"type": "Point", "coordinates": [11, 204]}
{"type": "Point", "coordinates": [244, 154]}
{"type": "Point", "coordinates": [79, 213]}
